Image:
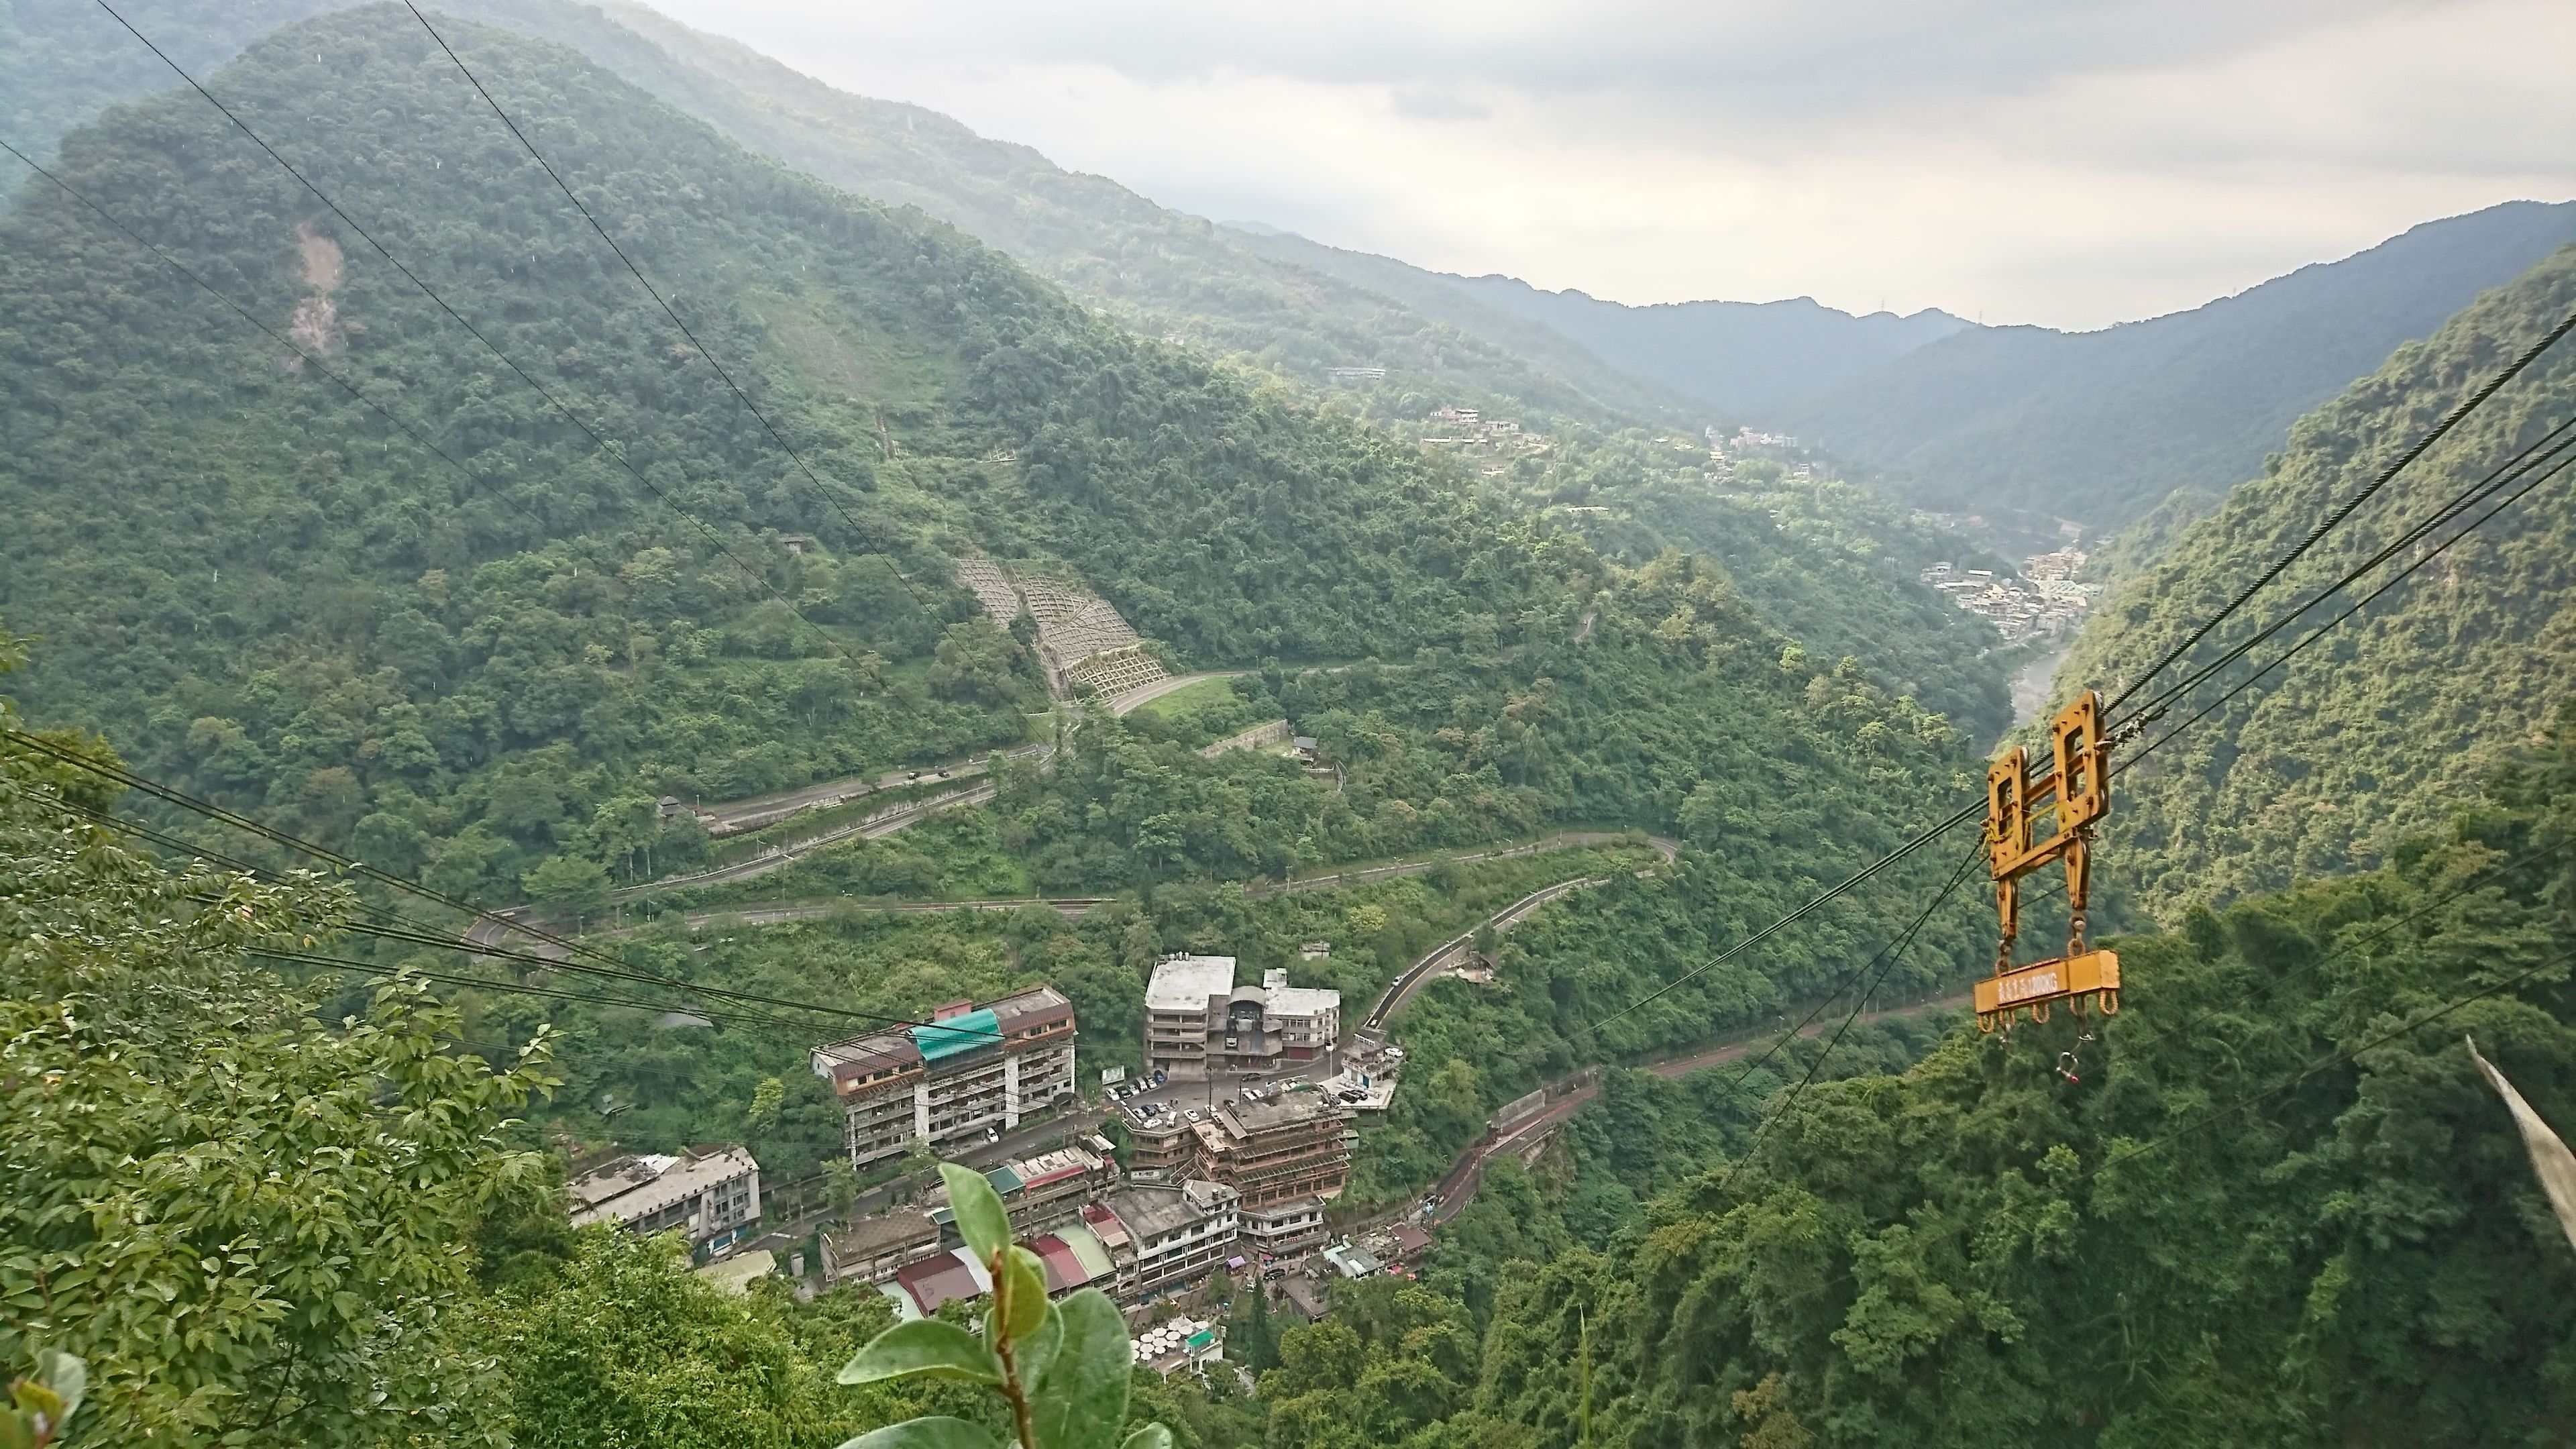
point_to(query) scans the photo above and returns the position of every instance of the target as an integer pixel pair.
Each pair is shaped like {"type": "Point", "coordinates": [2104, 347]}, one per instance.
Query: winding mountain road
{"type": "Point", "coordinates": [1458, 1188]}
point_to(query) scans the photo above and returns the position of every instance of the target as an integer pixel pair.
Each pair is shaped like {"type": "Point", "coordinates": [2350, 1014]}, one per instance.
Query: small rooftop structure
{"type": "Point", "coordinates": [874, 1247]}
{"type": "Point", "coordinates": [1351, 1261]}
{"type": "Point", "coordinates": [735, 1274]}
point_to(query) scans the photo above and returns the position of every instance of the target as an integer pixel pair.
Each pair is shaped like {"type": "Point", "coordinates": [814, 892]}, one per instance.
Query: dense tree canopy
{"type": "Point", "coordinates": [2394, 717]}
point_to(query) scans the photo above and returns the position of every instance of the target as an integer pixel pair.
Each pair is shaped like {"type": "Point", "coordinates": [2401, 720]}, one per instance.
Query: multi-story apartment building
{"type": "Point", "coordinates": [1160, 1234]}
{"type": "Point", "coordinates": [1198, 1021]}
{"type": "Point", "coordinates": [972, 1069]}
{"type": "Point", "coordinates": [708, 1191]}
{"type": "Point", "coordinates": [1285, 1157]}
{"type": "Point", "coordinates": [1159, 1144]}
{"type": "Point", "coordinates": [1042, 1191]}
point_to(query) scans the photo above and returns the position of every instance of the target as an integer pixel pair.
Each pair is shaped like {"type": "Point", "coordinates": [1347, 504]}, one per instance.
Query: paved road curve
{"type": "Point", "coordinates": [1458, 1188]}
{"type": "Point", "coordinates": [1456, 949]}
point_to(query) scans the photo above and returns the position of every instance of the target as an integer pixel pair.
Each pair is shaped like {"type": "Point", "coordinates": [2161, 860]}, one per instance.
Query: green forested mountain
{"type": "Point", "coordinates": [2279, 1206]}
{"type": "Point", "coordinates": [1159, 272]}
{"type": "Point", "coordinates": [2392, 719]}
{"type": "Point", "coordinates": [2100, 426]}
{"type": "Point", "coordinates": [287, 605]}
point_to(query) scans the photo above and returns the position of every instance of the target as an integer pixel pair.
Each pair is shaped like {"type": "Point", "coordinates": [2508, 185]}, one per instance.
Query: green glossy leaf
{"type": "Point", "coordinates": [987, 1228]}
{"type": "Point", "coordinates": [1031, 1355]}
{"type": "Point", "coordinates": [1152, 1436]}
{"type": "Point", "coordinates": [67, 1376]}
{"type": "Point", "coordinates": [924, 1346]}
{"type": "Point", "coordinates": [1080, 1400]}
{"type": "Point", "coordinates": [935, 1432]}
{"type": "Point", "coordinates": [1019, 1296]}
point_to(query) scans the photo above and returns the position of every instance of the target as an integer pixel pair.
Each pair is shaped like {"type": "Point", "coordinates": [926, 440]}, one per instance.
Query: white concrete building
{"type": "Point", "coordinates": [707, 1191]}
{"type": "Point", "coordinates": [1197, 1020]}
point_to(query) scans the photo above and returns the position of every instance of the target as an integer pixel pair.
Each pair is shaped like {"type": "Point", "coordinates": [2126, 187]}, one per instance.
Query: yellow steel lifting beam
{"type": "Point", "coordinates": [2067, 802]}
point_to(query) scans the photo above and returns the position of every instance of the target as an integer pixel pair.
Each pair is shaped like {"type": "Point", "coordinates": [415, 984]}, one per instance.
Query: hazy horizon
{"type": "Point", "coordinates": [2001, 160]}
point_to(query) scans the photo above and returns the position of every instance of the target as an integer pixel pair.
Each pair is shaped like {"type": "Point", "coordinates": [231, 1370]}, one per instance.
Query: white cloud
{"type": "Point", "coordinates": [2024, 159]}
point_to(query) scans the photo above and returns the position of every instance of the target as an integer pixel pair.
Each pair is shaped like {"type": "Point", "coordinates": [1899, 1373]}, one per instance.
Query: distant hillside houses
{"type": "Point", "coordinates": [1470, 430]}
{"type": "Point", "coordinates": [2044, 601]}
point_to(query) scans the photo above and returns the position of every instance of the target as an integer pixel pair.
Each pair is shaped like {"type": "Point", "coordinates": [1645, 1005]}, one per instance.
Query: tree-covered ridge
{"type": "Point", "coordinates": [2279, 1207]}
{"type": "Point", "coordinates": [272, 595]}
{"type": "Point", "coordinates": [255, 1223]}
{"type": "Point", "coordinates": [286, 604]}
{"type": "Point", "coordinates": [2392, 718]}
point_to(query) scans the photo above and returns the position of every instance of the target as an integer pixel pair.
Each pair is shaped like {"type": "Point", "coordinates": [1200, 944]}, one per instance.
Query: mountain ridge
{"type": "Point", "coordinates": [2100, 426]}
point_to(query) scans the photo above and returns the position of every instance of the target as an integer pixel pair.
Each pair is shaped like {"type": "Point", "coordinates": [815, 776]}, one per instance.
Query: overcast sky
{"type": "Point", "coordinates": [2067, 162]}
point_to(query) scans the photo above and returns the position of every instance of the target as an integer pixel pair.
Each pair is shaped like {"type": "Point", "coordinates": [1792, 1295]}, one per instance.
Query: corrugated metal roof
{"type": "Point", "coordinates": [1064, 1267]}
{"type": "Point", "coordinates": [935, 1280]}
{"type": "Point", "coordinates": [1087, 1247]}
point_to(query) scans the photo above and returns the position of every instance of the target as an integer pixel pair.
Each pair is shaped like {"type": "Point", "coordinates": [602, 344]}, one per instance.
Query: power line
{"type": "Point", "coordinates": [2552, 444]}
{"type": "Point", "coordinates": [613, 450]}
{"type": "Point", "coordinates": [273, 335]}
{"type": "Point", "coordinates": [515, 988]}
{"type": "Point", "coordinates": [1810, 908]}
{"type": "Point", "coordinates": [401, 930]}
{"type": "Point", "coordinates": [2342, 511]}
{"type": "Point", "coordinates": [1886, 959]}
{"type": "Point", "coordinates": [2358, 605]}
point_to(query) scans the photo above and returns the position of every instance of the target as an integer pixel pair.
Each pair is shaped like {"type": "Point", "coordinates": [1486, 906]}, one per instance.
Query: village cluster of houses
{"type": "Point", "coordinates": [1212, 1182]}
{"type": "Point", "coordinates": [1746, 440]}
{"type": "Point", "coordinates": [2044, 601]}
{"type": "Point", "coordinates": [1470, 431]}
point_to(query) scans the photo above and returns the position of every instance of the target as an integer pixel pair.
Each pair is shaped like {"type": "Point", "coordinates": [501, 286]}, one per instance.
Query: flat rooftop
{"type": "Point", "coordinates": [1184, 983]}
{"type": "Point", "coordinates": [1288, 1109]}
{"type": "Point", "coordinates": [1149, 1211]}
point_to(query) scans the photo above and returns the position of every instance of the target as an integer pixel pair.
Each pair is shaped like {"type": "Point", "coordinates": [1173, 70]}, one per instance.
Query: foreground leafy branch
{"type": "Point", "coordinates": [1062, 1367]}
{"type": "Point", "coordinates": [39, 1407]}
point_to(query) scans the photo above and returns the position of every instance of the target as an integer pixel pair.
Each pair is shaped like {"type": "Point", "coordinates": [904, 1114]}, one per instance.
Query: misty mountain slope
{"type": "Point", "coordinates": [1728, 356]}
{"type": "Point", "coordinates": [2390, 721]}
{"type": "Point", "coordinates": [1162, 273]}
{"type": "Point", "coordinates": [1166, 273]}
{"type": "Point", "coordinates": [1739, 356]}
{"type": "Point", "coordinates": [2099, 426]}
